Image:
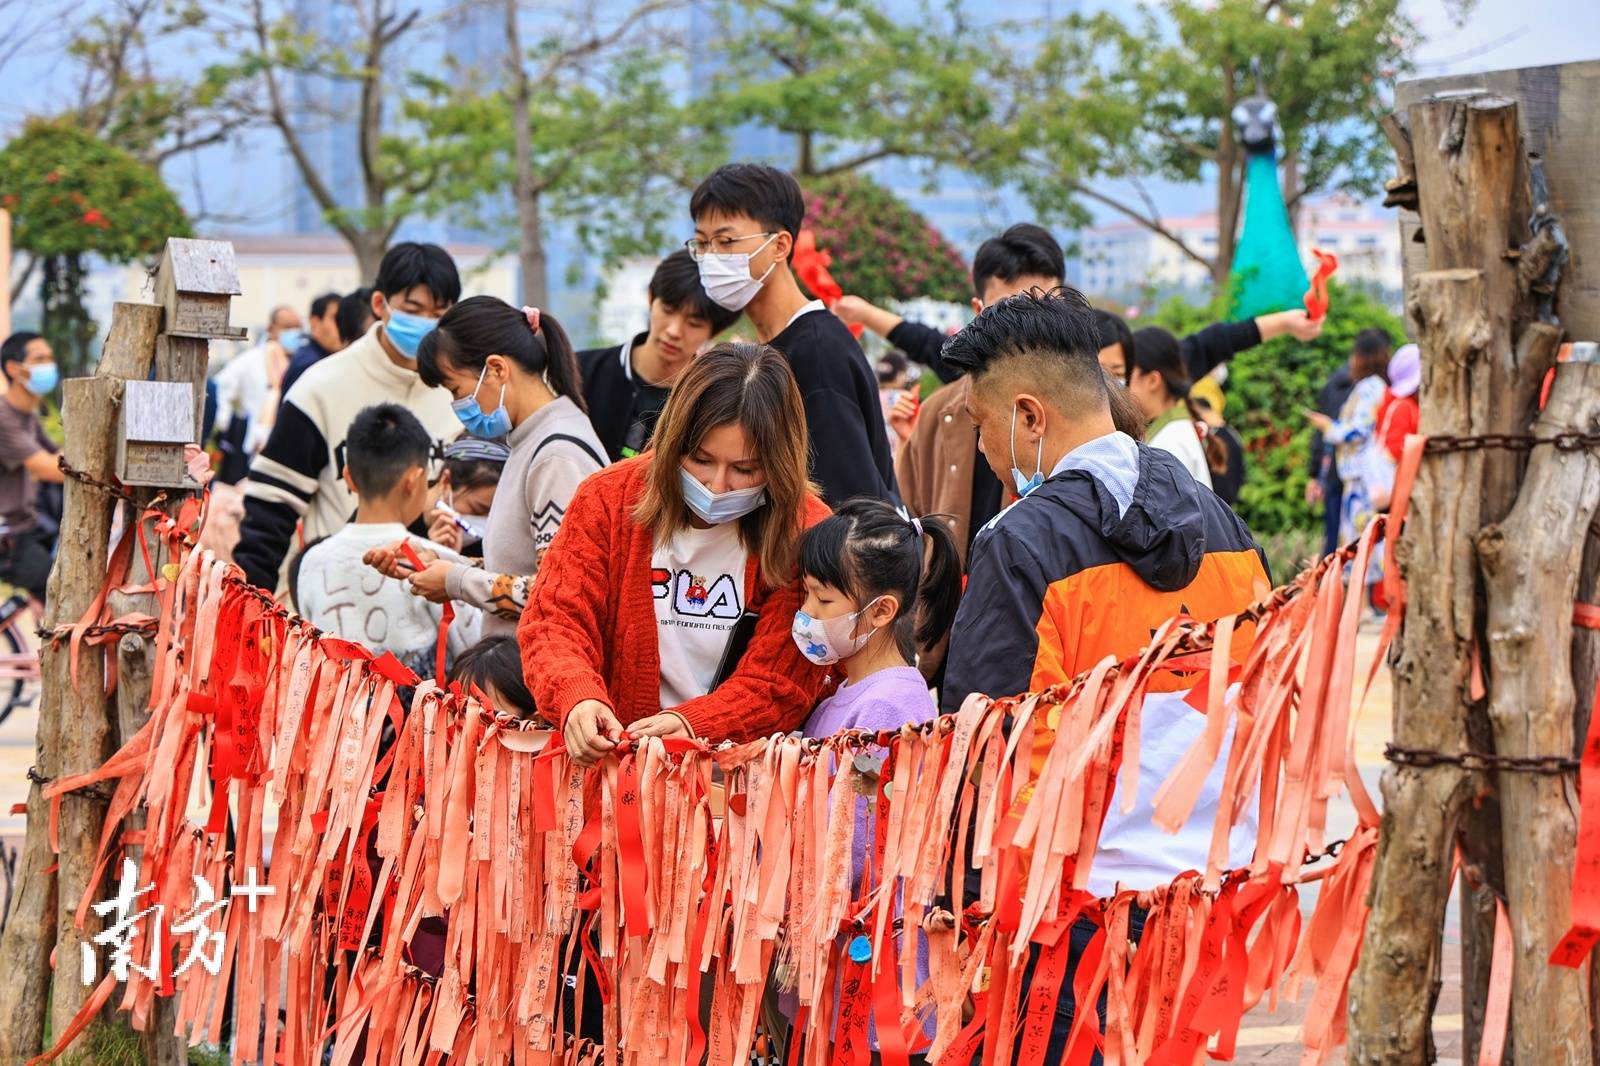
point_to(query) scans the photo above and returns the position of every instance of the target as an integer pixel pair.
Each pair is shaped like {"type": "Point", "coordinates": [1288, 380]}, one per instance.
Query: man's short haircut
{"type": "Point", "coordinates": [384, 441]}
{"type": "Point", "coordinates": [1052, 340]}
{"type": "Point", "coordinates": [409, 264]}
{"type": "Point", "coordinates": [1113, 330]}
{"type": "Point", "coordinates": [770, 196]}
{"type": "Point", "coordinates": [676, 283]}
{"type": "Point", "coordinates": [1022, 251]}
{"type": "Point", "coordinates": [354, 316]}
{"type": "Point", "coordinates": [319, 306]}
{"type": "Point", "coordinates": [15, 348]}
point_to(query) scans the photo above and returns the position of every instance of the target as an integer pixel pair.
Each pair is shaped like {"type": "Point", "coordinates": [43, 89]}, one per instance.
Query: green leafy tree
{"type": "Point", "coordinates": [580, 126]}
{"type": "Point", "coordinates": [115, 89]}
{"type": "Point", "coordinates": [1102, 100]}
{"type": "Point", "coordinates": [1266, 388]}
{"type": "Point", "coordinates": [293, 79]}
{"type": "Point", "coordinates": [71, 195]}
{"type": "Point", "coordinates": [882, 250]}
{"type": "Point", "coordinates": [851, 83]}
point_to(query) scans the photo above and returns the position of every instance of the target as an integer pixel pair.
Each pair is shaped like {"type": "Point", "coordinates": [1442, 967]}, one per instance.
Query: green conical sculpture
{"type": "Point", "coordinates": [1267, 273]}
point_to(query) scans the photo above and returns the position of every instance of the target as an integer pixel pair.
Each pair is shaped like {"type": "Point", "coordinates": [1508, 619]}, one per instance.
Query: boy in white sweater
{"type": "Point", "coordinates": [389, 457]}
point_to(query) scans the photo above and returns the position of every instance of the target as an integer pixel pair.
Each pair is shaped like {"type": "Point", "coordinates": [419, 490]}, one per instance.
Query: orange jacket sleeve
{"type": "Point", "coordinates": [562, 627]}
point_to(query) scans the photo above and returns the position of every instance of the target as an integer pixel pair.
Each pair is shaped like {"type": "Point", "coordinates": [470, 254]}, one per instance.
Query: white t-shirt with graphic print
{"type": "Point", "coordinates": [697, 580]}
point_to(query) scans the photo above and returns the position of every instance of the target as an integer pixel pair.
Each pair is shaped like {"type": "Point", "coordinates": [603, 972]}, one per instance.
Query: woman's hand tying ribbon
{"type": "Point", "coordinates": [591, 732]}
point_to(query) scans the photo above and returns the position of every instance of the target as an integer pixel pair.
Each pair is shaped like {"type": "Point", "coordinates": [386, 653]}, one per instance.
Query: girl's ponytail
{"type": "Point", "coordinates": [939, 593]}
{"type": "Point", "coordinates": [561, 362]}
{"type": "Point", "coordinates": [1216, 452]}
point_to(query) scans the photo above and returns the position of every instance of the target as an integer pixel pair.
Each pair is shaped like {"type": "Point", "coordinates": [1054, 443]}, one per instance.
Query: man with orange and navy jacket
{"type": "Point", "coordinates": [1108, 540]}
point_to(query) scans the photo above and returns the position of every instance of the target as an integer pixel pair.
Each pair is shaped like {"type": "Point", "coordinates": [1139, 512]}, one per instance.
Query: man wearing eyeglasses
{"type": "Point", "coordinates": [746, 217]}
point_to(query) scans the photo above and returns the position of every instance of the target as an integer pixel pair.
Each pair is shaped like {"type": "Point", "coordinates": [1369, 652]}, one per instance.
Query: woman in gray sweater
{"type": "Point", "coordinates": [512, 374]}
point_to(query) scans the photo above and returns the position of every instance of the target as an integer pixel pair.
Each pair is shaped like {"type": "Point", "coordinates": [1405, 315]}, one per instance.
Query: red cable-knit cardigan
{"type": "Point", "coordinates": [589, 629]}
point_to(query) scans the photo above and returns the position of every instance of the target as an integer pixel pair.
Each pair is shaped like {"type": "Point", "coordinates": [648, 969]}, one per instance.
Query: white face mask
{"type": "Point", "coordinates": [727, 280]}
{"type": "Point", "coordinates": [827, 640]}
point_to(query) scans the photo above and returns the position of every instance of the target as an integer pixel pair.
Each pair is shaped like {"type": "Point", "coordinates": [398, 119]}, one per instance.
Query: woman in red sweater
{"type": "Point", "coordinates": [659, 556]}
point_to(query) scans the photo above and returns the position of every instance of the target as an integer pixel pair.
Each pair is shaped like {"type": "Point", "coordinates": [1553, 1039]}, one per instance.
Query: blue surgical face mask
{"type": "Point", "coordinates": [405, 331]}
{"type": "Point", "coordinates": [496, 423]}
{"type": "Point", "coordinates": [719, 507]}
{"type": "Point", "coordinates": [1025, 485]}
{"type": "Point", "coordinates": [43, 378]}
{"type": "Point", "coordinates": [292, 340]}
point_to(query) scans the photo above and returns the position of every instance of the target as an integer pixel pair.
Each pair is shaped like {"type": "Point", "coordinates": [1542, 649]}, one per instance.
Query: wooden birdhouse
{"type": "Point", "coordinates": [156, 422]}
{"type": "Point", "coordinates": [195, 283]}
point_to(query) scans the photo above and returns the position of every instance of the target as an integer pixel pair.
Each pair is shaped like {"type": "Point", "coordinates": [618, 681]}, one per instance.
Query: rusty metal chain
{"type": "Point", "coordinates": [1515, 442]}
{"type": "Point", "coordinates": [56, 634]}
{"type": "Point", "coordinates": [1478, 760]}
{"type": "Point", "coordinates": [96, 791]}
{"type": "Point", "coordinates": [89, 479]}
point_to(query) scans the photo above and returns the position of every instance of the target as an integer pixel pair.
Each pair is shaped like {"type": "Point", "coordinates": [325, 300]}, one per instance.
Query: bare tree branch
{"type": "Point", "coordinates": [280, 117]}
{"type": "Point", "coordinates": [851, 163]}
{"type": "Point", "coordinates": [1133, 214]}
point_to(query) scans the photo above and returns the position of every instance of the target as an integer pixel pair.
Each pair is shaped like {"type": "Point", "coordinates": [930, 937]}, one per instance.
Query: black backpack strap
{"type": "Point", "coordinates": [599, 460]}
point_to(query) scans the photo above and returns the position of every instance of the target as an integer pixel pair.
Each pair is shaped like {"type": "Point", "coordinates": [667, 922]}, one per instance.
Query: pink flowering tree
{"type": "Point", "coordinates": [882, 250]}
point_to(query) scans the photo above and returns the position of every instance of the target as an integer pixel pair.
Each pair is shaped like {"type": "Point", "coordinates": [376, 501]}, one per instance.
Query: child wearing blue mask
{"type": "Point", "coordinates": [871, 601]}
{"type": "Point", "coordinates": [512, 374]}
{"type": "Point", "coordinates": [877, 587]}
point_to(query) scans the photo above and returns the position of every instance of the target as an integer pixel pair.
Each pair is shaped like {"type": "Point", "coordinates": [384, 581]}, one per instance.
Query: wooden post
{"type": "Point", "coordinates": [1473, 200]}
{"type": "Point", "coordinates": [1482, 314]}
{"type": "Point", "coordinates": [87, 727]}
{"type": "Point", "coordinates": [1396, 983]}
{"type": "Point", "coordinates": [76, 729]}
{"type": "Point", "coordinates": [1532, 562]}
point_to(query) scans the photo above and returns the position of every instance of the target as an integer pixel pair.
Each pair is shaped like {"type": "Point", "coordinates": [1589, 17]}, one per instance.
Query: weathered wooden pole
{"type": "Point", "coordinates": [87, 730]}
{"type": "Point", "coordinates": [1395, 985]}
{"type": "Point", "coordinates": [1484, 359]}
{"type": "Point", "coordinates": [1532, 562]}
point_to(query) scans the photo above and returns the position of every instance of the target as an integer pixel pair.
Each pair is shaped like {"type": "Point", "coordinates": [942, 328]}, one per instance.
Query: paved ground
{"type": "Point", "coordinates": [1269, 1039]}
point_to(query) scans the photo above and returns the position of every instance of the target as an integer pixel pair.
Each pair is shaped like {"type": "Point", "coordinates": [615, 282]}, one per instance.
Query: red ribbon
{"type": "Point", "coordinates": [811, 267]}
{"type": "Point", "coordinates": [1316, 297]}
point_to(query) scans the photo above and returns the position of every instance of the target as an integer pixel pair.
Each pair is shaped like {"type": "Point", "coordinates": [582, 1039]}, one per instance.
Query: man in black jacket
{"type": "Point", "coordinates": [1208, 348]}
{"type": "Point", "coordinates": [746, 218]}
{"type": "Point", "coordinates": [1022, 258]}
{"type": "Point", "coordinates": [626, 385]}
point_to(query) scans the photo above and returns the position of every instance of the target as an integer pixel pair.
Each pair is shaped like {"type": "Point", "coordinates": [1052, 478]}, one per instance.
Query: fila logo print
{"type": "Point", "coordinates": [695, 596]}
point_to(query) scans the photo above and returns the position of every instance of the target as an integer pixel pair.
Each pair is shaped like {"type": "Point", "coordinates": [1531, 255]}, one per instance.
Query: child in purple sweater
{"type": "Point", "coordinates": [870, 602]}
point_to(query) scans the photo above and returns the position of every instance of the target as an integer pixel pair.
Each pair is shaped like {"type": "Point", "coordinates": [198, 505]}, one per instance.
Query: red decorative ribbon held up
{"type": "Point", "coordinates": [811, 265]}
{"type": "Point", "coordinates": [1317, 295]}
